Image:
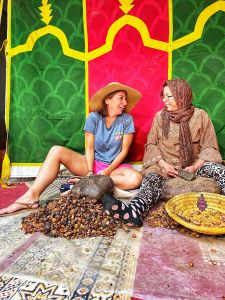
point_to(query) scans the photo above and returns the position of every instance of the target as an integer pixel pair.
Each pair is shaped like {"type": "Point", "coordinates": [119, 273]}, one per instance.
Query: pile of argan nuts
{"type": "Point", "coordinates": [158, 217]}
{"type": "Point", "coordinates": [74, 218]}
{"type": "Point", "coordinates": [71, 218]}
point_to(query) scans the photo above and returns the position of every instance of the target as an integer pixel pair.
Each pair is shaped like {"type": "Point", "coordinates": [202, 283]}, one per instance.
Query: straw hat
{"type": "Point", "coordinates": [97, 100]}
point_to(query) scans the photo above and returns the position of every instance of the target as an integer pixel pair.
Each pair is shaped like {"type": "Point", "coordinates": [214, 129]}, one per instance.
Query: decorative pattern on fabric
{"type": "Point", "coordinates": [58, 58]}
{"type": "Point", "coordinates": [150, 191]}
{"type": "Point", "coordinates": [215, 171]}
{"type": "Point", "coordinates": [202, 62]}
{"type": "Point", "coordinates": [47, 101]}
{"type": "Point", "coordinates": [37, 265]}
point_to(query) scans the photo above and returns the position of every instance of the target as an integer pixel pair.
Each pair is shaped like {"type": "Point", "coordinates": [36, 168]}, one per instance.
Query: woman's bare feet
{"type": "Point", "coordinates": [28, 201]}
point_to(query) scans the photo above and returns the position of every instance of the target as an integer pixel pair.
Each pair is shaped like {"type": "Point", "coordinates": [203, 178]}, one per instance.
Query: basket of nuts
{"type": "Point", "coordinates": [200, 212]}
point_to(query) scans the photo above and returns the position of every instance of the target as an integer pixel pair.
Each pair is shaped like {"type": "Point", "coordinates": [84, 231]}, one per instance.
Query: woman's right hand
{"type": "Point", "coordinates": [90, 173]}
{"type": "Point", "coordinates": [167, 168]}
{"type": "Point", "coordinates": [105, 172]}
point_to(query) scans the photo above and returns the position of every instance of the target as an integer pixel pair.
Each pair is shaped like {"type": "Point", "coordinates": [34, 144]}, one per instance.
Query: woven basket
{"type": "Point", "coordinates": [187, 210]}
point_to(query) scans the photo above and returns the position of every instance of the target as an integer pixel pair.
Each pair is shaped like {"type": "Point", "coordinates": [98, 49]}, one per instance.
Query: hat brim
{"type": "Point", "coordinates": [96, 101]}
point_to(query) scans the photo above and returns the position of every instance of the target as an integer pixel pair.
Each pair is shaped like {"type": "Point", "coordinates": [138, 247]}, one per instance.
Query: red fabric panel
{"type": "Point", "coordinates": [143, 68]}
{"type": "Point", "coordinates": [102, 14]}
{"type": "Point", "coordinates": [129, 61]}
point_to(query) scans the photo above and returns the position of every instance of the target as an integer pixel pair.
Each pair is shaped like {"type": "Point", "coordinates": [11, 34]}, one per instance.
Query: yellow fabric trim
{"type": "Point", "coordinates": [115, 28]}
{"type": "Point", "coordinates": [7, 43]}
{"type": "Point", "coordinates": [119, 24]}
{"type": "Point", "coordinates": [200, 24]}
{"type": "Point", "coordinates": [86, 61]}
{"type": "Point", "coordinates": [8, 68]}
{"type": "Point", "coordinates": [1, 6]}
{"type": "Point", "coordinates": [5, 170]}
{"type": "Point", "coordinates": [135, 162]}
{"type": "Point", "coordinates": [170, 51]}
{"type": "Point", "coordinates": [107, 47]}
{"type": "Point", "coordinates": [26, 164]}
{"type": "Point", "coordinates": [49, 29]}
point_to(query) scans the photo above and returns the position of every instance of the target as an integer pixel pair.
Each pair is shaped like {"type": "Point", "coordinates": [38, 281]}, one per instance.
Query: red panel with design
{"type": "Point", "coordinates": [129, 61]}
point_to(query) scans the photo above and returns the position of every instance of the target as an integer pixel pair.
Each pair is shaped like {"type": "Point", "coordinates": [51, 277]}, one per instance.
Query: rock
{"type": "Point", "coordinates": [93, 186]}
{"type": "Point", "coordinates": [177, 186]}
{"type": "Point", "coordinates": [186, 175]}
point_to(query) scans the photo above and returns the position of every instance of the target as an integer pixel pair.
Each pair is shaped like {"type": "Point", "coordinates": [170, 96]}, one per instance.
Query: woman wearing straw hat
{"type": "Point", "coordinates": [181, 136]}
{"type": "Point", "coordinates": [109, 132]}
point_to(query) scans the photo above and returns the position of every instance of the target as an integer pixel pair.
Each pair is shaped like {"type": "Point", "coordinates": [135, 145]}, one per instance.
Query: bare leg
{"type": "Point", "coordinates": [126, 178]}
{"type": "Point", "coordinates": [73, 161]}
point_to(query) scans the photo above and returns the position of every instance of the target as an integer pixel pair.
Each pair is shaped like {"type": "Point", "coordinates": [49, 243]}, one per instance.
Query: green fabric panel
{"type": "Point", "coordinates": [66, 15]}
{"type": "Point", "coordinates": [185, 14]}
{"type": "Point", "coordinates": [202, 63]}
{"type": "Point", "coordinates": [47, 102]}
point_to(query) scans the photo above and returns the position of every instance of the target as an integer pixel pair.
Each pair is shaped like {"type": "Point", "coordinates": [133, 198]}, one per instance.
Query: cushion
{"type": "Point", "coordinates": [177, 186]}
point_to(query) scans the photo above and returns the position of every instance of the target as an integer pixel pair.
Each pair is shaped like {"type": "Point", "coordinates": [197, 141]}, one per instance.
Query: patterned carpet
{"type": "Point", "coordinates": [150, 264]}
{"type": "Point", "coordinates": [39, 267]}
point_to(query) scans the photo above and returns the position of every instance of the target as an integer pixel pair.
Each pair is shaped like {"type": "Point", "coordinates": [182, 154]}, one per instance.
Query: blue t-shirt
{"type": "Point", "coordinates": [108, 141]}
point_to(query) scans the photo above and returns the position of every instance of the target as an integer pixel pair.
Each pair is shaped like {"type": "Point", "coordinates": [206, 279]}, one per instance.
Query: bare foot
{"type": "Point", "coordinates": [27, 201]}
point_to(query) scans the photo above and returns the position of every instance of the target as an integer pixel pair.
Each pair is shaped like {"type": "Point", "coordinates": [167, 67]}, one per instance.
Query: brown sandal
{"type": "Point", "coordinates": [27, 207]}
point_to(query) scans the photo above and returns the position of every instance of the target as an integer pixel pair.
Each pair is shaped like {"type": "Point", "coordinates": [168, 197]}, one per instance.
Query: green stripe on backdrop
{"type": "Point", "coordinates": [202, 63]}
{"type": "Point", "coordinates": [47, 88]}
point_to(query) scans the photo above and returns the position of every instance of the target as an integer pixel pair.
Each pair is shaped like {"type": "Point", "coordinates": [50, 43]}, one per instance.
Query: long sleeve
{"type": "Point", "coordinates": [209, 150]}
{"type": "Point", "coordinates": [204, 143]}
{"type": "Point", "coordinates": [152, 153]}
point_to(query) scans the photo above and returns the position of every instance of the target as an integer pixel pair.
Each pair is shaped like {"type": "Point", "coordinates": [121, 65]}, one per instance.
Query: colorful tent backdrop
{"type": "Point", "coordinates": [61, 52]}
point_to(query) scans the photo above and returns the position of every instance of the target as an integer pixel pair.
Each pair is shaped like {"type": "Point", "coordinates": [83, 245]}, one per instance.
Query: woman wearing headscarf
{"type": "Point", "coordinates": [109, 132]}
{"type": "Point", "coordinates": [181, 136]}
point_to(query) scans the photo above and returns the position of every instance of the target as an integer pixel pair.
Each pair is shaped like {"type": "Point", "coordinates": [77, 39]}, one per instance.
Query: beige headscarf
{"type": "Point", "coordinates": [182, 94]}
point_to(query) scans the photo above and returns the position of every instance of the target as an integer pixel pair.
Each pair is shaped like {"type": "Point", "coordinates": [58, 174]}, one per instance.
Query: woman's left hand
{"type": "Point", "coordinates": [198, 164]}
{"type": "Point", "coordinates": [190, 169]}
{"type": "Point", "coordinates": [167, 168]}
